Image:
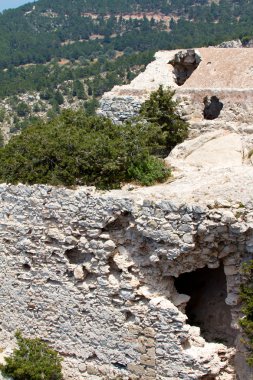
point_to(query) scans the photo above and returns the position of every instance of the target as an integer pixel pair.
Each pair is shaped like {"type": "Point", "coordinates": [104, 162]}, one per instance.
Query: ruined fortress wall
{"type": "Point", "coordinates": [225, 73]}
{"type": "Point", "coordinates": [237, 111]}
{"type": "Point", "coordinates": [121, 108]}
{"type": "Point", "coordinates": [237, 104]}
{"type": "Point", "coordinates": [94, 275]}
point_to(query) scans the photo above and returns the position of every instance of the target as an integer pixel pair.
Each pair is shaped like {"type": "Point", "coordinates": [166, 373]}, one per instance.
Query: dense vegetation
{"type": "Point", "coordinates": [123, 6]}
{"type": "Point", "coordinates": [64, 30]}
{"type": "Point", "coordinates": [76, 149]}
{"type": "Point", "coordinates": [99, 76]}
{"type": "Point", "coordinates": [66, 51]}
{"type": "Point", "coordinates": [36, 33]}
{"type": "Point", "coordinates": [161, 110]}
{"type": "Point", "coordinates": [247, 299]}
{"type": "Point", "coordinates": [32, 360]}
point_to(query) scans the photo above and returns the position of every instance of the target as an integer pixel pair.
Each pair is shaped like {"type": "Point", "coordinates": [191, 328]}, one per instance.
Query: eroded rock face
{"type": "Point", "coordinates": [219, 149]}
{"type": "Point", "coordinates": [184, 63]}
{"type": "Point", "coordinates": [94, 275]}
{"type": "Point", "coordinates": [215, 96]}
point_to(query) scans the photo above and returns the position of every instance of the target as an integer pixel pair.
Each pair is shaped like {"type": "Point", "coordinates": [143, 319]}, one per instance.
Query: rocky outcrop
{"type": "Point", "coordinates": [231, 44]}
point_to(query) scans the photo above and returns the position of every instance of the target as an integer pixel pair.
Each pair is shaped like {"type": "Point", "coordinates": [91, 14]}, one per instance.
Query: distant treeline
{"type": "Point", "coordinates": [36, 35]}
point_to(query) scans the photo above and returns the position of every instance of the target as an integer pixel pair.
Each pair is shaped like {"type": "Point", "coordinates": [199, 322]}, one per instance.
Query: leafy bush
{"type": "Point", "coordinates": [247, 299]}
{"type": "Point", "coordinates": [161, 110]}
{"type": "Point", "coordinates": [75, 149]}
{"type": "Point", "coordinates": [149, 171]}
{"type": "Point", "coordinates": [32, 360]}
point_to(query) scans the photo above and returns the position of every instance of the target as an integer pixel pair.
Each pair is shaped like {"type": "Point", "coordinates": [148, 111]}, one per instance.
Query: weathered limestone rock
{"type": "Point", "coordinates": [109, 305]}
{"type": "Point", "coordinates": [214, 149]}
{"type": "Point", "coordinates": [222, 73]}
{"type": "Point", "coordinates": [231, 44]}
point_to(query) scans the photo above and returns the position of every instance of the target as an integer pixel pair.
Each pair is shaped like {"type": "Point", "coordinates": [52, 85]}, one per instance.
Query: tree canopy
{"type": "Point", "coordinates": [32, 360]}
{"type": "Point", "coordinates": [161, 109]}
{"type": "Point", "coordinates": [82, 48]}
{"type": "Point", "coordinates": [75, 149]}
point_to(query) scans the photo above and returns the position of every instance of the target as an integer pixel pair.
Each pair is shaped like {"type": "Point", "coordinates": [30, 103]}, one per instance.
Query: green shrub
{"type": "Point", "coordinates": [149, 171]}
{"type": "Point", "coordinates": [90, 106]}
{"type": "Point", "coordinates": [22, 109]}
{"type": "Point", "coordinates": [32, 360]}
{"type": "Point", "coordinates": [161, 110]}
{"type": "Point", "coordinates": [76, 149]}
{"type": "Point", "coordinates": [36, 108]}
{"type": "Point", "coordinates": [247, 299]}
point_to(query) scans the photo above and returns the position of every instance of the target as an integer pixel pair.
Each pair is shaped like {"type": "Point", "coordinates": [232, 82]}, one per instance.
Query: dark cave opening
{"type": "Point", "coordinates": [26, 267]}
{"type": "Point", "coordinates": [213, 107]}
{"type": "Point", "coordinates": [207, 308]}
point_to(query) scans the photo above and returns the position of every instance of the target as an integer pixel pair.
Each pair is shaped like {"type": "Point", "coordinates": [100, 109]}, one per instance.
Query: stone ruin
{"type": "Point", "coordinates": [143, 283]}
{"type": "Point", "coordinates": [125, 288]}
{"type": "Point", "coordinates": [195, 75]}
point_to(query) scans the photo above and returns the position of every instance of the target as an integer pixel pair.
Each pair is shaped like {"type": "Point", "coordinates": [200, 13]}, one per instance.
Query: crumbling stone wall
{"type": "Point", "coordinates": [120, 109]}
{"type": "Point", "coordinates": [212, 72]}
{"type": "Point", "coordinates": [93, 274]}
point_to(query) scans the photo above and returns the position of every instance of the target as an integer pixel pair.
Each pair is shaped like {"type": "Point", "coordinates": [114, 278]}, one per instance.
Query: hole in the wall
{"type": "Point", "coordinates": [207, 308]}
{"type": "Point", "coordinates": [26, 267]}
{"type": "Point", "coordinates": [75, 256]}
{"type": "Point", "coordinates": [89, 277]}
{"type": "Point", "coordinates": [130, 317]}
{"type": "Point", "coordinates": [213, 107]}
{"type": "Point", "coordinates": [121, 222]}
{"type": "Point", "coordinates": [69, 273]}
{"type": "Point", "coordinates": [92, 357]}
{"type": "Point", "coordinates": [185, 63]}
{"type": "Point", "coordinates": [208, 377]}
{"type": "Point", "coordinates": [119, 365]}
{"type": "Point", "coordinates": [132, 269]}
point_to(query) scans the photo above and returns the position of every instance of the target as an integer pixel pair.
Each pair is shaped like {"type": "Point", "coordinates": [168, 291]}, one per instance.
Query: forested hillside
{"type": "Point", "coordinates": [38, 32]}
{"type": "Point", "coordinates": [66, 52]}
